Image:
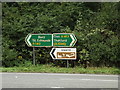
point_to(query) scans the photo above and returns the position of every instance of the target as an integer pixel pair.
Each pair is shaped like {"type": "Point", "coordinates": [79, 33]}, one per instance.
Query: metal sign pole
{"type": "Point", "coordinates": [33, 55]}
{"type": "Point", "coordinates": [67, 63]}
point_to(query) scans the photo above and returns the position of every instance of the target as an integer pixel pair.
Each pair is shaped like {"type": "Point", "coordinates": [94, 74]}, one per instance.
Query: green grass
{"type": "Point", "coordinates": [51, 69]}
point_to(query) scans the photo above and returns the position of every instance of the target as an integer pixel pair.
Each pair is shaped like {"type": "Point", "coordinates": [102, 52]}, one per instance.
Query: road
{"type": "Point", "coordinates": [52, 80]}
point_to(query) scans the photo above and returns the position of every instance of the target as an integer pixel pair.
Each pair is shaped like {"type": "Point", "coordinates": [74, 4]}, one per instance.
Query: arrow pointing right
{"type": "Point", "coordinates": [74, 40]}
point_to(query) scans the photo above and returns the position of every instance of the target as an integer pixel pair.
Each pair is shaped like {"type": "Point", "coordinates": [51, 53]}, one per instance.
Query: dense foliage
{"type": "Point", "coordinates": [96, 26]}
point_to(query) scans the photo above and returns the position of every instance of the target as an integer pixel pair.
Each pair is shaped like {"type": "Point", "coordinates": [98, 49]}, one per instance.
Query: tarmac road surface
{"type": "Point", "coordinates": [57, 80]}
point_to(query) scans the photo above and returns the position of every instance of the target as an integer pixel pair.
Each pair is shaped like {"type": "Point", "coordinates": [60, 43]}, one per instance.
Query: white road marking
{"type": "Point", "coordinates": [82, 75]}
{"type": "Point", "coordinates": [99, 80]}
{"type": "Point", "coordinates": [55, 74]}
{"type": "Point", "coordinates": [91, 80]}
{"type": "Point", "coordinates": [16, 77]}
{"type": "Point", "coordinates": [57, 87]}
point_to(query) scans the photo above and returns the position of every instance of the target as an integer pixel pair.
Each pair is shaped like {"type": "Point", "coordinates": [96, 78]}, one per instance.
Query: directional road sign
{"type": "Point", "coordinates": [39, 40]}
{"type": "Point", "coordinates": [63, 53]}
{"type": "Point", "coordinates": [55, 39]}
{"type": "Point", "coordinates": [64, 39]}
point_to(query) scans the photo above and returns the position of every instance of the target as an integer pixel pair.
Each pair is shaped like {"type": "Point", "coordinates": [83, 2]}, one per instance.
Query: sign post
{"type": "Point", "coordinates": [67, 64]}
{"type": "Point", "coordinates": [34, 56]}
{"type": "Point", "coordinates": [54, 40]}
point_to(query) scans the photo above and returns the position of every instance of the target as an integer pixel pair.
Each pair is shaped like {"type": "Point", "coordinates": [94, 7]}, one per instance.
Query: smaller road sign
{"type": "Point", "coordinates": [39, 40]}
{"type": "Point", "coordinates": [63, 53]}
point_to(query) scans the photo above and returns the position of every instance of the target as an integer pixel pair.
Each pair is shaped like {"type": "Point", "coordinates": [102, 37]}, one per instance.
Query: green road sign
{"type": "Point", "coordinates": [39, 40]}
{"type": "Point", "coordinates": [47, 40]}
{"type": "Point", "coordinates": [64, 39]}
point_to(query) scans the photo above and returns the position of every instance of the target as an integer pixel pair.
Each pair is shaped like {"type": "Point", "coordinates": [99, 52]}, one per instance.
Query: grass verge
{"type": "Point", "coordinates": [51, 69]}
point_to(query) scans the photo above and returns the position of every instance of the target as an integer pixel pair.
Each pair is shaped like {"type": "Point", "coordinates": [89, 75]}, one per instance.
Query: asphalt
{"type": "Point", "coordinates": [56, 80]}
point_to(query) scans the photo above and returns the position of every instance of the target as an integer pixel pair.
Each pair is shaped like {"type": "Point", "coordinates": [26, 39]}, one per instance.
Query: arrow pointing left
{"type": "Point", "coordinates": [27, 40]}
{"type": "Point", "coordinates": [52, 53]}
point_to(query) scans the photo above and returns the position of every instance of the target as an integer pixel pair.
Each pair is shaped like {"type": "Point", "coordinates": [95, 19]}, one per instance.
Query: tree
{"type": "Point", "coordinates": [96, 27]}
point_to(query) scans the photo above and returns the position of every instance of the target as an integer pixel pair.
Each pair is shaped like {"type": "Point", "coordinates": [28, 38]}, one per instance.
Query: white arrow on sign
{"type": "Point", "coordinates": [74, 40]}
{"type": "Point", "coordinates": [63, 53]}
{"type": "Point", "coordinates": [27, 40]}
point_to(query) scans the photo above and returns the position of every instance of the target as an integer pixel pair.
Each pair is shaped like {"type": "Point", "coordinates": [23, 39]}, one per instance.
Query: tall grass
{"type": "Point", "coordinates": [52, 69]}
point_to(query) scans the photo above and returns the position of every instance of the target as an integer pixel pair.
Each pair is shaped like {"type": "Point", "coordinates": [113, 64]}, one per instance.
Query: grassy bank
{"type": "Point", "coordinates": [51, 69]}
